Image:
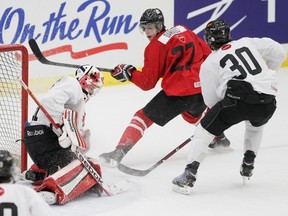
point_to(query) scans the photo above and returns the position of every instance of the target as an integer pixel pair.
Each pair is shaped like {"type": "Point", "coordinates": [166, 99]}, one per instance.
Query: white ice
{"type": "Point", "coordinates": [218, 190]}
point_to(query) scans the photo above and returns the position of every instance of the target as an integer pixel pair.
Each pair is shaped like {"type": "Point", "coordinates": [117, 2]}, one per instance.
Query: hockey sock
{"type": "Point", "coordinates": [135, 130]}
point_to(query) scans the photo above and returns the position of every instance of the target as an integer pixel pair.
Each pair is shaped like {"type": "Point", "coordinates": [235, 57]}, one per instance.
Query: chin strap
{"type": "Point", "coordinates": [86, 96]}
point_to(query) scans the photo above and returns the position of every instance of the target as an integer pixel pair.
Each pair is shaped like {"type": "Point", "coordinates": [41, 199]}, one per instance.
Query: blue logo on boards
{"type": "Point", "coordinates": [246, 18]}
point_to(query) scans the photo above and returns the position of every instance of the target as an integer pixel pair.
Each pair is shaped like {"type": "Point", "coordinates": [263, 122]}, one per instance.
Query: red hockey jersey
{"type": "Point", "coordinates": [174, 55]}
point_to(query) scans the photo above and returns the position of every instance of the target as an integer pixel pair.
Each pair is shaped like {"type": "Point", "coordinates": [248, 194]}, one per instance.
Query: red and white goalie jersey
{"type": "Point", "coordinates": [66, 93]}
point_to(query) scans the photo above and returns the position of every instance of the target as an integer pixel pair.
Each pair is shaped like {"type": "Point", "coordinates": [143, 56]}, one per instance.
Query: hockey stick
{"type": "Point", "coordinates": [39, 55]}
{"type": "Point", "coordinates": [109, 190]}
{"type": "Point", "coordinates": [136, 172]}
{"type": "Point", "coordinates": [38, 104]}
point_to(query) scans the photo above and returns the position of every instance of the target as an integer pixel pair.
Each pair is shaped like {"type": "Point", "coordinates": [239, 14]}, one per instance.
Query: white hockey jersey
{"type": "Point", "coordinates": [65, 93]}
{"type": "Point", "coordinates": [254, 60]}
{"type": "Point", "coordinates": [21, 200]}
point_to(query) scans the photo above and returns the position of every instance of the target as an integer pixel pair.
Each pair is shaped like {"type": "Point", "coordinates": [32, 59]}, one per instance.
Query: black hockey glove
{"type": "Point", "coordinates": [123, 72]}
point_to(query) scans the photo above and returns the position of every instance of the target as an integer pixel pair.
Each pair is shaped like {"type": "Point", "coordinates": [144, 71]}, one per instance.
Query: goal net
{"type": "Point", "coordinates": [13, 101]}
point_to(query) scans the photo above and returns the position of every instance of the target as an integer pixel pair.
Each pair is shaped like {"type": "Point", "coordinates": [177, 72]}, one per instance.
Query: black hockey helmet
{"type": "Point", "coordinates": [216, 34]}
{"type": "Point", "coordinates": [152, 16]}
{"type": "Point", "coordinates": [6, 165]}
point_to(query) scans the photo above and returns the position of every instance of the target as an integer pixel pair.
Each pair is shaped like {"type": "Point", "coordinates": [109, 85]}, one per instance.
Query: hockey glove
{"type": "Point", "coordinates": [70, 124]}
{"type": "Point", "coordinates": [86, 137]}
{"type": "Point", "coordinates": [123, 72]}
{"type": "Point", "coordinates": [64, 140]}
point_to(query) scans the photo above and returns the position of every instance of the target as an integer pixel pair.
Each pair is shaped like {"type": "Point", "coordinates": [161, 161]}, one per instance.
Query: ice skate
{"type": "Point", "coordinates": [111, 159]}
{"type": "Point", "coordinates": [246, 169]}
{"type": "Point", "coordinates": [184, 182]}
{"type": "Point", "coordinates": [34, 174]}
{"type": "Point", "coordinates": [220, 142]}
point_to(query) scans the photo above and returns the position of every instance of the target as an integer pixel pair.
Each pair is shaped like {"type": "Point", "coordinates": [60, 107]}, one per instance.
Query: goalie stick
{"type": "Point", "coordinates": [39, 55]}
{"type": "Point", "coordinates": [136, 172]}
{"type": "Point", "coordinates": [109, 190]}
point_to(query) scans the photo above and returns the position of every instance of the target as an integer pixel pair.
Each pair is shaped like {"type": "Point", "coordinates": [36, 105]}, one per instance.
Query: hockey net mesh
{"type": "Point", "coordinates": [12, 106]}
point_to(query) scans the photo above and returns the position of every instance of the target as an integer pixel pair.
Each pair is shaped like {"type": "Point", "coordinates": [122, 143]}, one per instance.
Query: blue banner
{"type": "Point", "coordinates": [246, 18]}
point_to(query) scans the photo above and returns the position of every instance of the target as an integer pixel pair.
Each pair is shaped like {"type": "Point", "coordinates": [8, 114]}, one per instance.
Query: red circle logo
{"type": "Point", "coordinates": [1, 191]}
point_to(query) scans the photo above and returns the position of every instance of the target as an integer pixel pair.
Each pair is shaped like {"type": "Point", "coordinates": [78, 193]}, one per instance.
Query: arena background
{"type": "Point", "coordinates": [105, 33]}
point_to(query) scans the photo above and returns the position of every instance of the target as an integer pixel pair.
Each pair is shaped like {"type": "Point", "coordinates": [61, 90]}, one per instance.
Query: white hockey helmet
{"type": "Point", "coordinates": [90, 79]}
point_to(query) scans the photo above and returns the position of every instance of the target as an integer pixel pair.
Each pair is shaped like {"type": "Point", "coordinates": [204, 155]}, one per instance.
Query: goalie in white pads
{"type": "Point", "coordinates": [50, 147]}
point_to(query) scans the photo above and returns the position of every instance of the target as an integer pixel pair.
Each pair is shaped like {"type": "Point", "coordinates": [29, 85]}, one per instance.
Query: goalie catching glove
{"type": "Point", "coordinates": [64, 140]}
{"type": "Point", "coordinates": [123, 72]}
{"type": "Point", "coordinates": [71, 135]}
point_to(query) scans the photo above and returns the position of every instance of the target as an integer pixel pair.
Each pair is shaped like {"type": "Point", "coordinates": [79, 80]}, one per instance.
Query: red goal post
{"type": "Point", "coordinates": [13, 101]}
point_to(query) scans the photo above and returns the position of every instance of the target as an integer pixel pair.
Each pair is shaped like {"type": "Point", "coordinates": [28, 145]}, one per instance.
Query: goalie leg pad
{"type": "Point", "coordinates": [71, 181]}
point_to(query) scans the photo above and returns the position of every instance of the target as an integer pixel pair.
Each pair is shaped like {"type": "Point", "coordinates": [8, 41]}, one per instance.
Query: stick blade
{"type": "Point", "coordinates": [131, 171]}
{"type": "Point", "coordinates": [136, 172]}
{"type": "Point", "coordinates": [39, 55]}
{"type": "Point", "coordinates": [36, 50]}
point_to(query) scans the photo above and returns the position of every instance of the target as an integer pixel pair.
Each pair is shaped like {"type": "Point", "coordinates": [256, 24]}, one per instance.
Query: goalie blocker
{"type": "Point", "coordinates": [69, 183]}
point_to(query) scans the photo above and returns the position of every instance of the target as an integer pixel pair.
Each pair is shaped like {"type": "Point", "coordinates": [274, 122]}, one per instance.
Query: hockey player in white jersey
{"type": "Point", "coordinates": [239, 83]}
{"type": "Point", "coordinates": [18, 199]}
{"type": "Point", "coordinates": [55, 164]}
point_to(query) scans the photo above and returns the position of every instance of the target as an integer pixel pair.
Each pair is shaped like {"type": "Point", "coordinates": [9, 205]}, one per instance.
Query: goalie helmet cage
{"type": "Point", "coordinates": [14, 101]}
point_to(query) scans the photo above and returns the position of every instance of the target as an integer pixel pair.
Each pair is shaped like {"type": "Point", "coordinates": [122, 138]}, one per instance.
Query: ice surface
{"type": "Point", "coordinates": [219, 189]}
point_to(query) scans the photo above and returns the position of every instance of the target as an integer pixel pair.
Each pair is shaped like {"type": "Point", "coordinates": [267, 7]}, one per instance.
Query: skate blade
{"type": "Point", "coordinates": [245, 179]}
{"type": "Point", "coordinates": [48, 196]}
{"type": "Point", "coordinates": [186, 190]}
{"type": "Point", "coordinates": [221, 149]}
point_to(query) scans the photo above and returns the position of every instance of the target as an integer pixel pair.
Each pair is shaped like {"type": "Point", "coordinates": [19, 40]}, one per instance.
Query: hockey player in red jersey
{"type": "Point", "coordinates": [55, 163]}
{"type": "Point", "coordinates": [175, 55]}
{"type": "Point", "coordinates": [239, 84]}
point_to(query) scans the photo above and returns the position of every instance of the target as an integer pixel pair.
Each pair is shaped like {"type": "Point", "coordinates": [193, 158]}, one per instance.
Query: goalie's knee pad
{"type": "Point", "coordinates": [39, 140]}
{"type": "Point", "coordinates": [40, 135]}
{"type": "Point", "coordinates": [44, 149]}
{"type": "Point", "coordinates": [71, 181]}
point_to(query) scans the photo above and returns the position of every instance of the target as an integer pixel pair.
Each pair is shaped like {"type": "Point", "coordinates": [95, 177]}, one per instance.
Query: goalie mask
{"type": "Point", "coordinates": [90, 79]}
{"type": "Point", "coordinates": [6, 166]}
